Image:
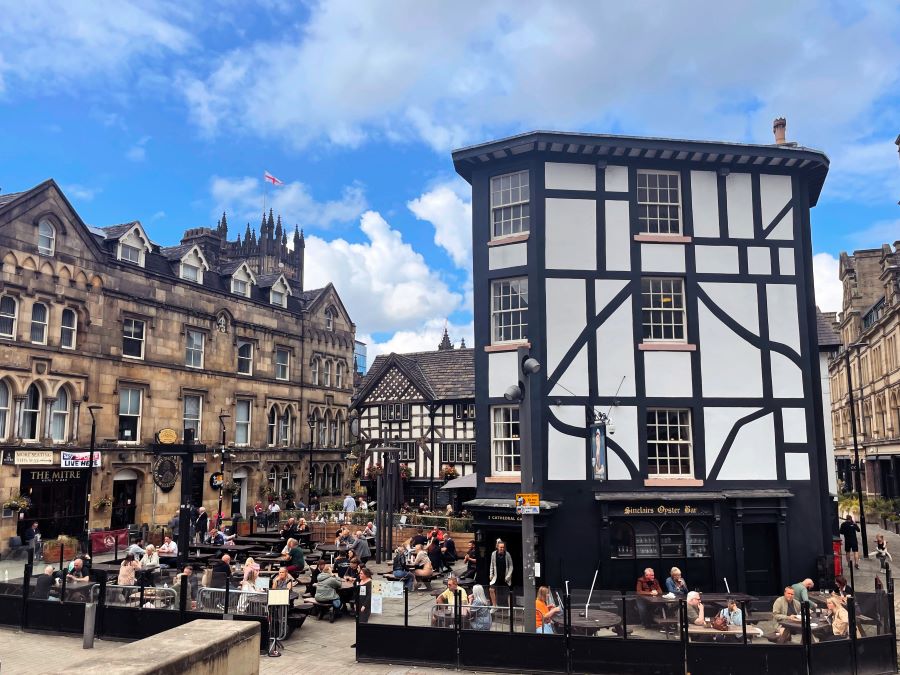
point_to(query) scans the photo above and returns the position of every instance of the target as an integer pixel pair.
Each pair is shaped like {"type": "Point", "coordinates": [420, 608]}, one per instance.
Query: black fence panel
{"type": "Point", "coordinates": [617, 656]}
{"type": "Point", "coordinates": [399, 644]}
{"type": "Point", "coordinates": [875, 655]}
{"type": "Point", "coordinates": [833, 657]}
{"type": "Point", "coordinates": [517, 652]}
{"type": "Point", "coordinates": [132, 623]}
{"type": "Point", "coordinates": [52, 615]}
{"type": "Point", "coordinates": [10, 610]}
{"type": "Point", "coordinates": [736, 659]}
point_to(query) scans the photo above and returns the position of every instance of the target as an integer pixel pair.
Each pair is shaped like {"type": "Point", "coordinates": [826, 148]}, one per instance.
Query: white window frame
{"type": "Point", "coordinates": [658, 318]}
{"type": "Point", "coordinates": [14, 316]}
{"type": "Point", "coordinates": [240, 344]}
{"type": "Point", "coordinates": [393, 412]}
{"type": "Point", "coordinates": [191, 352]}
{"type": "Point", "coordinates": [196, 278]}
{"type": "Point", "coordinates": [142, 339]}
{"type": "Point", "coordinates": [198, 420]}
{"type": "Point", "coordinates": [237, 290]}
{"type": "Point", "coordinates": [464, 411]}
{"type": "Point", "coordinates": [127, 258]}
{"type": "Point", "coordinates": [509, 210]}
{"type": "Point", "coordinates": [70, 331]}
{"type": "Point", "coordinates": [338, 375]}
{"type": "Point", "coordinates": [285, 422]}
{"type": "Point", "coordinates": [42, 249]}
{"type": "Point", "coordinates": [57, 413]}
{"type": "Point", "coordinates": [42, 325]}
{"type": "Point", "coordinates": [314, 372]}
{"type": "Point", "coordinates": [245, 425]}
{"type": "Point", "coordinates": [653, 420]}
{"type": "Point", "coordinates": [282, 369]}
{"type": "Point", "coordinates": [505, 445]}
{"type": "Point", "coordinates": [29, 411]}
{"type": "Point", "coordinates": [272, 427]}
{"type": "Point", "coordinates": [458, 452]}
{"type": "Point", "coordinates": [327, 374]}
{"type": "Point", "coordinates": [650, 223]}
{"type": "Point", "coordinates": [139, 415]}
{"type": "Point", "coordinates": [509, 332]}
{"type": "Point", "coordinates": [5, 410]}
{"type": "Point", "coordinates": [329, 320]}
{"type": "Point", "coordinates": [277, 298]}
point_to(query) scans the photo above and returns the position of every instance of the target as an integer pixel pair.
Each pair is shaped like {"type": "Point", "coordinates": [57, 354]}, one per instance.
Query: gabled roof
{"type": "Point", "coordinates": [827, 335]}
{"type": "Point", "coordinates": [448, 374]}
{"type": "Point", "coordinates": [116, 231]}
{"type": "Point", "coordinates": [269, 280]}
{"type": "Point", "coordinates": [9, 197]}
{"type": "Point", "coordinates": [173, 253]}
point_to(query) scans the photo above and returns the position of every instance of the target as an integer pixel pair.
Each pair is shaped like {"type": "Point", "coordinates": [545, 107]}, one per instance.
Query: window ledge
{"type": "Point", "coordinates": [509, 239]}
{"type": "Point", "coordinates": [667, 347]}
{"type": "Point", "coordinates": [663, 238]}
{"type": "Point", "coordinates": [672, 482]}
{"type": "Point", "coordinates": [507, 346]}
{"type": "Point", "coordinates": [511, 478]}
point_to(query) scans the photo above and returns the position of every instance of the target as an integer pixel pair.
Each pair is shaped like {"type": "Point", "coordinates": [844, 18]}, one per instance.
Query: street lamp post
{"type": "Point", "coordinates": [87, 506]}
{"type": "Point", "coordinates": [859, 490]}
{"type": "Point", "coordinates": [311, 421]}
{"type": "Point", "coordinates": [222, 418]}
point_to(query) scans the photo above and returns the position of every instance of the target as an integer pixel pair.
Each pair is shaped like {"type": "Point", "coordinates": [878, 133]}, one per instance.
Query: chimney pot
{"type": "Point", "coordinates": [779, 127]}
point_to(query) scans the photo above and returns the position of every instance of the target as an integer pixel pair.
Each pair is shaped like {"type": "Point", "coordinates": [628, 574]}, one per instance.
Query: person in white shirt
{"type": "Point", "coordinates": [363, 506]}
{"type": "Point", "coordinates": [274, 510]}
{"type": "Point", "coordinates": [349, 504]}
{"type": "Point", "coordinates": [169, 548]}
{"type": "Point", "coordinates": [370, 529]}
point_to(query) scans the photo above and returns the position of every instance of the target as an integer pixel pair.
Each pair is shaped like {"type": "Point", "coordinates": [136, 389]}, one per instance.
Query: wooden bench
{"type": "Point", "coordinates": [320, 609]}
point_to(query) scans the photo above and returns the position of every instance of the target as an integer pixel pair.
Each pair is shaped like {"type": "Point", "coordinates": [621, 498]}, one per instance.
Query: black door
{"type": "Point", "coordinates": [761, 563]}
{"type": "Point", "coordinates": [124, 495]}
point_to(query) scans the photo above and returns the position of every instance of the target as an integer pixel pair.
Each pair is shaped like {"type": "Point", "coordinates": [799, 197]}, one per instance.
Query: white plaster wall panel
{"type": "Point", "coordinates": [829, 438]}
{"type": "Point", "coordinates": [605, 290]}
{"type": "Point", "coordinates": [752, 455]}
{"type": "Point", "coordinates": [570, 414]}
{"type": "Point", "coordinates": [774, 194]}
{"type": "Point", "coordinates": [668, 374]}
{"type": "Point", "coordinates": [739, 301]}
{"type": "Point", "coordinates": [565, 317]}
{"type": "Point", "coordinates": [759, 260]}
{"type": "Point", "coordinates": [784, 322]}
{"type": "Point", "coordinates": [717, 424]}
{"type": "Point", "coordinates": [787, 380]}
{"type": "Point", "coordinates": [784, 231]}
{"type": "Point", "coordinates": [740, 205]}
{"type": "Point", "coordinates": [730, 366]}
{"type": "Point", "coordinates": [615, 353]}
{"type": "Point", "coordinates": [502, 372]}
{"type": "Point", "coordinates": [571, 234]}
{"type": "Point", "coordinates": [624, 420]}
{"type": "Point", "coordinates": [662, 258]}
{"type": "Point", "coordinates": [567, 176]}
{"type": "Point", "coordinates": [716, 259]}
{"type": "Point", "coordinates": [786, 261]}
{"type": "Point", "coordinates": [510, 255]}
{"type": "Point", "coordinates": [796, 465]}
{"type": "Point", "coordinates": [618, 236]}
{"type": "Point", "coordinates": [574, 381]}
{"type": "Point", "coordinates": [705, 203]}
{"type": "Point", "coordinates": [794, 424]}
{"type": "Point", "coordinates": [566, 459]}
{"type": "Point", "coordinates": [616, 179]}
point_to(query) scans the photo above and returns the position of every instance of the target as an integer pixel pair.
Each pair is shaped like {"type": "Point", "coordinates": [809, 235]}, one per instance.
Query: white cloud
{"type": "Point", "coordinates": [422, 339]}
{"type": "Point", "coordinates": [242, 199]}
{"type": "Point", "coordinates": [829, 291]}
{"type": "Point", "coordinates": [51, 45]}
{"type": "Point", "coordinates": [138, 151]}
{"type": "Point", "coordinates": [81, 192]}
{"type": "Point", "coordinates": [451, 216]}
{"type": "Point", "coordinates": [384, 283]}
{"type": "Point", "coordinates": [881, 232]}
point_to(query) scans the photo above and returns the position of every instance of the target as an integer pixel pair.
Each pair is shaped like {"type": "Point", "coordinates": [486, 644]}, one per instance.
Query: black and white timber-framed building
{"type": "Point", "coordinates": [667, 283]}
{"type": "Point", "coordinates": [423, 402]}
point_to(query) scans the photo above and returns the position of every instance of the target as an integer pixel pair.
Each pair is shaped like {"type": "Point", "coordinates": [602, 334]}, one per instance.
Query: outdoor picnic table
{"type": "Point", "coordinates": [736, 631]}
{"type": "Point", "coordinates": [590, 624]}
{"type": "Point", "coordinates": [236, 548]}
{"type": "Point", "coordinates": [442, 616]}
{"type": "Point", "coordinates": [331, 549]}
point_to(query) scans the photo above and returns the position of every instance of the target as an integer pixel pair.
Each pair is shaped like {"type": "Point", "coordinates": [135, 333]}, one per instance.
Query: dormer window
{"type": "Point", "coordinates": [133, 246]}
{"type": "Point", "coordinates": [193, 265]}
{"type": "Point", "coordinates": [46, 238]}
{"type": "Point", "coordinates": [130, 254]}
{"type": "Point", "coordinates": [190, 272]}
{"type": "Point", "coordinates": [242, 280]}
{"type": "Point", "coordinates": [329, 319]}
{"type": "Point", "coordinates": [279, 292]}
{"type": "Point", "coordinates": [240, 287]}
{"type": "Point", "coordinates": [277, 298]}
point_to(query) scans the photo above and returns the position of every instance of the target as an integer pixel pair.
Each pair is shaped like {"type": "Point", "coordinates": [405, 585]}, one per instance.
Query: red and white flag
{"type": "Point", "coordinates": [271, 179]}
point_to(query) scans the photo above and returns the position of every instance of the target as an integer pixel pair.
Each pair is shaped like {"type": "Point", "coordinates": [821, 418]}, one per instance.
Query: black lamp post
{"type": "Point", "coordinates": [87, 506]}
{"type": "Point", "coordinates": [856, 466]}
{"type": "Point", "coordinates": [222, 418]}
{"type": "Point", "coordinates": [311, 421]}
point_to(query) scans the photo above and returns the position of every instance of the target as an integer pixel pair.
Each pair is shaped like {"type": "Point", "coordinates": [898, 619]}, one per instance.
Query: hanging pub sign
{"type": "Point", "coordinates": [9, 457]}
{"type": "Point", "coordinates": [34, 457]}
{"type": "Point", "coordinates": [165, 473]}
{"type": "Point", "coordinates": [216, 480]}
{"type": "Point", "coordinates": [77, 460]}
{"type": "Point", "coordinates": [167, 436]}
{"type": "Point", "coordinates": [597, 448]}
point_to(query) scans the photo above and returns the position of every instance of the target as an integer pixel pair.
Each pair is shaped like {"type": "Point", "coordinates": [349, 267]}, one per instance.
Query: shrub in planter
{"type": "Point", "coordinates": [69, 547]}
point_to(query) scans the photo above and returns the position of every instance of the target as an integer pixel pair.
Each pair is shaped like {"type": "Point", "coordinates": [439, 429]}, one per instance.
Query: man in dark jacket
{"type": "Point", "coordinates": [43, 584]}
{"type": "Point", "coordinates": [201, 525]}
{"type": "Point", "coordinates": [448, 552]}
{"type": "Point", "coordinates": [851, 543]}
{"type": "Point", "coordinates": [647, 586]}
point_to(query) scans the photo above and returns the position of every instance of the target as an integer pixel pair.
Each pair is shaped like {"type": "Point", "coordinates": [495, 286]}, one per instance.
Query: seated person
{"type": "Point", "coordinates": [317, 570]}
{"type": "Point", "coordinates": [76, 571]}
{"type": "Point", "coordinates": [43, 585]}
{"type": "Point", "coordinates": [288, 530]}
{"type": "Point", "coordinates": [544, 611]}
{"type": "Point", "coordinates": [127, 570]}
{"type": "Point", "coordinates": [216, 537]}
{"type": "Point", "coordinates": [360, 547]}
{"type": "Point", "coordinates": [647, 586]}
{"type": "Point", "coordinates": [327, 587]}
{"type": "Point", "coordinates": [419, 538]}
{"type": "Point", "coordinates": [471, 560]}
{"type": "Point", "coordinates": [187, 575]}
{"type": "Point", "coordinates": [221, 571]}
{"type": "Point", "coordinates": [784, 608]}
{"type": "Point", "coordinates": [449, 595]}
{"type": "Point", "coordinates": [302, 526]}
{"type": "Point", "coordinates": [169, 548]}
{"type": "Point", "coordinates": [732, 613]}
{"type": "Point", "coordinates": [136, 549]}
{"type": "Point", "coordinates": [695, 614]}
{"type": "Point", "coordinates": [85, 562]}
{"type": "Point", "coordinates": [250, 565]}
{"type": "Point", "coordinates": [151, 557]}
{"type": "Point", "coordinates": [479, 609]}
{"type": "Point", "coordinates": [352, 571]}
{"type": "Point", "coordinates": [294, 558]}
{"type": "Point", "coordinates": [399, 568]}
{"type": "Point", "coordinates": [249, 581]}
{"type": "Point", "coordinates": [675, 584]}
{"type": "Point", "coordinates": [282, 580]}
{"type": "Point", "coordinates": [448, 551]}
{"type": "Point", "coordinates": [837, 617]}
{"type": "Point", "coordinates": [370, 530]}
{"type": "Point", "coordinates": [843, 589]}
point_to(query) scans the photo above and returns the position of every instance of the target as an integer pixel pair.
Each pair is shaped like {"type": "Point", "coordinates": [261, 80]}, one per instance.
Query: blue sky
{"type": "Point", "coordinates": [170, 112]}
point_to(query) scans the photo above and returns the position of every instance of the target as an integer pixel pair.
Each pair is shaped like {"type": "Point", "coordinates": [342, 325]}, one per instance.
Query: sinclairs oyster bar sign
{"type": "Point", "coordinates": [661, 510]}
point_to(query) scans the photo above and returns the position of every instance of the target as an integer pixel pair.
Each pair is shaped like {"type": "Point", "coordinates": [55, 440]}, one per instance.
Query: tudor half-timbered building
{"type": "Point", "coordinates": [423, 403]}
{"type": "Point", "coordinates": [668, 285]}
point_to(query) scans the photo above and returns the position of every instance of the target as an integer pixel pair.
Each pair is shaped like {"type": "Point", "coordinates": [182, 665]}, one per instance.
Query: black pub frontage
{"type": "Point", "coordinates": [59, 500]}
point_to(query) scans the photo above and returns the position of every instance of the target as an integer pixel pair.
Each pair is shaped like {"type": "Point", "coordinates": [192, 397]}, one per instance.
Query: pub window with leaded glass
{"type": "Point", "coordinates": [662, 310]}
{"type": "Point", "coordinates": [457, 453]}
{"type": "Point", "coordinates": [394, 412]}
{"type": "Point", "coordinates": [510, 209]}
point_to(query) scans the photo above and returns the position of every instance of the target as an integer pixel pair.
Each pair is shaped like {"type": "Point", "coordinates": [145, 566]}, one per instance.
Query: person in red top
{"type": "Point", "coordinates": [647, 585]}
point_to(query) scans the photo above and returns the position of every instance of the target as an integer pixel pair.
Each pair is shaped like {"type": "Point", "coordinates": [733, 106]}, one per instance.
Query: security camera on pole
{"type": "Point", "coordinates": [522, 393]}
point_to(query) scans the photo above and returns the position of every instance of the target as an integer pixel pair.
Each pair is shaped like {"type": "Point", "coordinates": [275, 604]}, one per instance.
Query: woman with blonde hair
{"type": "Point", "coordinates": [251, 566]}
{"type": "Point", "coordinates": [544, 611]}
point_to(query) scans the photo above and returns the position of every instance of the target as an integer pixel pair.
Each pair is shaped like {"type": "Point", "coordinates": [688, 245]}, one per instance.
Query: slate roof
{"type": "Point", "coordinates": [442, 374]}
{"type": "Point", "coordinates": [828, 336]}
{"type": "Point", "coordinates": [116, 231]}
{"type": "Point", "coordinates": [9, 197]}
{"type": "Point", "coordinates": [175, 252]}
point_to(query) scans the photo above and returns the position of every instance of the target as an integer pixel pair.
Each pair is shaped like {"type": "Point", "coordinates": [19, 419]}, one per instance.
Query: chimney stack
{"type": "Point", "coordinates": [779, 126]}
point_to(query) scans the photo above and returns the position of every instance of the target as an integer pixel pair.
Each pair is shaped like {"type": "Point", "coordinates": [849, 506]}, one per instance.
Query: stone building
{"type": "Point", "coordinates": [212, 335]}
{"type": "Point", "coordinates": [870, 333]}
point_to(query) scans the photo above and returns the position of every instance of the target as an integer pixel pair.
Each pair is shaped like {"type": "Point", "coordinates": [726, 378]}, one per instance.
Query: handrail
{"type": "Point", "coordinates": [250, 603]}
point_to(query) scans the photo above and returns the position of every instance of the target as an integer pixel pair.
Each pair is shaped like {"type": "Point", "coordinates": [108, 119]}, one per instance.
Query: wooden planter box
{"type": "Point", "coordinates": [243, 528]}
{"type": "Point", "coordinates": [51, 550]}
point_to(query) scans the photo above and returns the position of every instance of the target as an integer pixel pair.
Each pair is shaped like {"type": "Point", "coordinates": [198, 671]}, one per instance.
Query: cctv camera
{"type": "Point", "coordinates": [610, 429]}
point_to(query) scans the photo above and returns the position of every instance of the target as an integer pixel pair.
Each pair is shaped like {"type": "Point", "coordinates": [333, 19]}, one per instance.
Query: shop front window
{"type": "Point", "coordinates": [671, 540]}
{"type": "Point", "coordinates": [697, 540]}
{"type": "Point", "coordinates": [646, 540]}
{"type": "Point", "coordinates": [621, 541]}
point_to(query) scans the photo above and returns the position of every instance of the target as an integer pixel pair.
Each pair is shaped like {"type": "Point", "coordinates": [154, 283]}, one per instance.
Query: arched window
{"type": "Point", "coordinates": [339, 375]}
{"type": "Point", "coordinates": [621, 540]}
{"type": "Point", "coordinates": [46, 238]}
{"type": "Point", "coordinates": [39, 323]}
{"type": "Point", "coordinates": [338, 479]}
{"type": "Point", "coordinates": [646, 540]}
{"type": "Point", "coordinates": [326, 426]}
{"type": "Point", "coordinates": [59, 417]}
{"type": "Point", "coordinates": [697, 540]}
{"type": "Point", "coordinates": [339, 421]}
{"type": "Point", "coordinates": [314, 477]}
{"type": "Point", "coordinates": [4, 410]}
{"type": "Point", "coordinates": [8, 314]}
{"type": "Point", "coordinates": [320, 425]}
{"type": "Point", "coordinates": [270, 432]}
{"type": "Point", "coordinates": [31, 413]}
{"type": "Point", "coordinates": [327, 381]}
{"type": "Point", "coordinates": [671, 540]}
{"type": "Point", "coordinates": [315, 372]}
{"type": "Point", "coordinates": [326, 478]}
{"type": "Point", "coordinates": [67, 329]}
{"type": "Point", "coordinates": [285, 428]}
{"type": "Point", "coordinates": [329, 319]}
